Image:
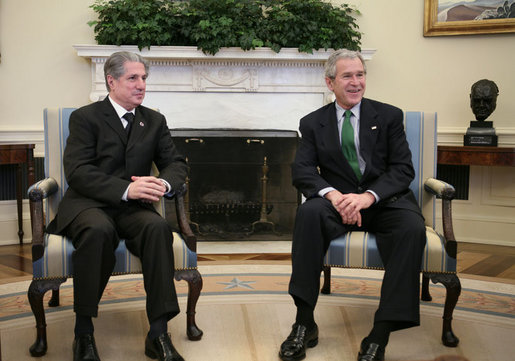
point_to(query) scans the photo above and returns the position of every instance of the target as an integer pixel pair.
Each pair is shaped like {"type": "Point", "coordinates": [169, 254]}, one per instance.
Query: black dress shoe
{"type": "Point", "coordinates": [370, 352]}
{"type": "Point", "coordinates": [294, 347]}
{"type": "Point", "coordinates": [161, 348]}
{"type": "Point", "coordinates": [84, 348]}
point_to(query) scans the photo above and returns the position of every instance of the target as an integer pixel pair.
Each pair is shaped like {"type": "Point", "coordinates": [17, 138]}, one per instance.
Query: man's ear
{"type": "Point", "coordinates": [329, 83]}
{"type": "Point", "coordinates": [110, 81]}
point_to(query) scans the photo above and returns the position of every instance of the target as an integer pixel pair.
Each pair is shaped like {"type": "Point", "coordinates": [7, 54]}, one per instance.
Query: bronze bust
{"type": "Point", "coordinates": [483, 98]}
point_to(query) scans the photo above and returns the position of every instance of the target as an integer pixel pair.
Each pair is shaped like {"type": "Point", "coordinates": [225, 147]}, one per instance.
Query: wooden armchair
{"type": "Point", "coordinates": [359, 249]}
{"type": "Point", "coordinates": [51, 254]}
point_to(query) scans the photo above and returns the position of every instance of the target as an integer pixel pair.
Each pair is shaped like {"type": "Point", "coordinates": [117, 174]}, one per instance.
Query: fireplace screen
{"type": "Point", "coordinates": [239, 184]}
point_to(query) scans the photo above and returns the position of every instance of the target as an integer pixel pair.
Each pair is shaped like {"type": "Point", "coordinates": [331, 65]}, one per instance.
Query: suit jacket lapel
{"type": "Point", "coordinates": [112, 120]}
{"type": "Point", "coordinates": [138, 128]}
{"type": "Point", "coordinates": [330, 136]}
{"type": "Point", "coordinates": [329, 128]}
{"type": "Point", "coordinates": [369, 128]}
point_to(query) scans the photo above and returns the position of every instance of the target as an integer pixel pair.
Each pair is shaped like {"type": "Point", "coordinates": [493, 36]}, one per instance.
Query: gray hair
{"type": "Point", "coordinates": [115, 64]}
{"type": "Point", "coordinates": [330, 66]}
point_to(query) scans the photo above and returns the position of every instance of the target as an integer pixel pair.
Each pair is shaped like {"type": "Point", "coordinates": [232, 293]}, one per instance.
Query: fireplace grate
{"type": "Point", "coordinates": [239, 184]}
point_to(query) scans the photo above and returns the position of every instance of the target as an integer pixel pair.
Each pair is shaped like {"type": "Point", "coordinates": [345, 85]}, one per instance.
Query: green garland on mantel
{"type": "Point", "coordinates": [212, 24]}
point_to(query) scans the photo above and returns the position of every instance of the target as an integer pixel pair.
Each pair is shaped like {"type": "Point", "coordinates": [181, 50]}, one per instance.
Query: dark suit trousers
{"type": "Point", "coordinates": [401, 239]}
{"type": "Point", "coordinates": [95, 233]}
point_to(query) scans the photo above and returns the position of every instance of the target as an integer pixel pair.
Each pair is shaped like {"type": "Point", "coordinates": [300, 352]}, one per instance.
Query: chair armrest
{"type": "Point", "coordinates": [37, 192]}
{"type": "Point", "coordinates": [446, 192]}
{"type": "Point", "coordinates": [439, 188]}
{"type": "Point", "coordinates": [182, 220]}
{"type": "Point", "coordinates": [176, 193]}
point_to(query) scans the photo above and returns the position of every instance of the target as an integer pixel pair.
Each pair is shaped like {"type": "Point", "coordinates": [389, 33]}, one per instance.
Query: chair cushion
{"type": "Point", "coordinates": [57, 258]}
{"type": "Point", "coordinates": [359, 250]}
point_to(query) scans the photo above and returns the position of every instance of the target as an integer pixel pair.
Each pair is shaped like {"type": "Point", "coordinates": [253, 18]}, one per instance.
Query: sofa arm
{"type": "Point", "coordinates": [184, 224]}
{"type": "Point", "coordinates": [37, 193]}
{"type": "Point", "coordinates": [446, 192]}
{"type": "Point", "coordinates": [42, 189]}
{"type": "Point", "coordinates": [439, 188]}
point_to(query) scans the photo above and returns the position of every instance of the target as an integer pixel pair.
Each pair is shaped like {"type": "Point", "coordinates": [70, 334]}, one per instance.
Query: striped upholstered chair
{"type": "Point", "coordinates": [51, 254]}
{"type": "Point", "coordinates": [359, 249]}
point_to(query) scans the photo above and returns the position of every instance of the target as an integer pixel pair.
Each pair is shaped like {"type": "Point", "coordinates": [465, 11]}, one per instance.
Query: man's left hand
{"type": "Point", "coordinates": [351, 204]}
{"type": "Point", "coordinates": [146, 189]}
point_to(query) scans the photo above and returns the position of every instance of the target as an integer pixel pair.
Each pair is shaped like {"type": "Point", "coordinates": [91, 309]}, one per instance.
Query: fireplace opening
{"type": "Point", "coordinates": [239, 183]}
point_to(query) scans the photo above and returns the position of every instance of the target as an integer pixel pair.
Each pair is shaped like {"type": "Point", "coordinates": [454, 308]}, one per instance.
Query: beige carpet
{"type": "Point", "coordinates": [245, 314]}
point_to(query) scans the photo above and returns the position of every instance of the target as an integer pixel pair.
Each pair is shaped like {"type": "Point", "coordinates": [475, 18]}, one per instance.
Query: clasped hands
{"type": "Point", "coordinates": [349, 205]}
{"type": "Point", "coordinates": [146, 189]}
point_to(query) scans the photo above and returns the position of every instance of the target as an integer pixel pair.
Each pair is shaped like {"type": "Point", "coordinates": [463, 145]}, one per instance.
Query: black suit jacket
{"type": "Point", "coordinates": [320, 163]}
{"type": "Point", "coordinates": [99, 158]}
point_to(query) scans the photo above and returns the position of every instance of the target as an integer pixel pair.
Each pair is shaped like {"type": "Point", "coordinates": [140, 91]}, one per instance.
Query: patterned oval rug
{"type": "Point", "coordinates": [245, 313]}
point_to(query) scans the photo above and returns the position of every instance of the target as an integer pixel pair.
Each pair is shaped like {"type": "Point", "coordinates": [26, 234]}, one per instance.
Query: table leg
{"type": "Point", "coordinates": [19, 200]}
{"type": "Point", "coordinates": [30, 172]}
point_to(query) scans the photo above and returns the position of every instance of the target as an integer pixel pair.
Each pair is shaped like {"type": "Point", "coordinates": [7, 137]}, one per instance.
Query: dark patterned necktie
{"type": "Point", "coordinates": [348, 145]}
{"type": "Point", "coordinates": [129, 117]}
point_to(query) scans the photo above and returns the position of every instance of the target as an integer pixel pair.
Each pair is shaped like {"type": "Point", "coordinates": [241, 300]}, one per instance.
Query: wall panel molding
{"type": "Point", "coordinates": [446, 136]}
{"type": "Point", "coordinates": [25, 136]}
{"type": "Point", "coordinates": [498, 186]}
{"type": "Point", "coordinates": [454, 135]}
{"type": "Point", "coordinates": [9, 223]}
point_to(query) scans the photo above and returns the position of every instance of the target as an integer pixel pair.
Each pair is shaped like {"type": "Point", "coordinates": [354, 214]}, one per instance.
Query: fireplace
{"type": "Point", "coordinates": [239, 183]}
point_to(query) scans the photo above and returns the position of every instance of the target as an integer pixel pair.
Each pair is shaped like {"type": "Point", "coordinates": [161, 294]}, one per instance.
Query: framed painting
{"type": "Point", "coordinates": [463, 17]}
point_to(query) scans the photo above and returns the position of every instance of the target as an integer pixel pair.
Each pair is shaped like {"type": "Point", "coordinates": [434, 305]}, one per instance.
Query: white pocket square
{"type": "Point", "coordinates": [374, 127]}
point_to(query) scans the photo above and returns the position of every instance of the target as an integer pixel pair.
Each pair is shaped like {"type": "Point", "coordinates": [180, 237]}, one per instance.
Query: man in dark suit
{"type": "Point", "coordinates": [354, 167]}
{"type": "Point", "coordinates": [107, 161]}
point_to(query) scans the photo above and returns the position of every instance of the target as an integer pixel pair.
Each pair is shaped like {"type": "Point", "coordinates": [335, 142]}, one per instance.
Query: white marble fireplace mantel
{"type": "Point", "coordinates": [257, 89]}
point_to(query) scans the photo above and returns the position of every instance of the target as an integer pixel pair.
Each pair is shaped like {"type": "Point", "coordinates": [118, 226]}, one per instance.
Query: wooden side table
{"type": "Point", "coordinates": [19, 154]}
{"type": "Point", "coordinates": [468, 155]}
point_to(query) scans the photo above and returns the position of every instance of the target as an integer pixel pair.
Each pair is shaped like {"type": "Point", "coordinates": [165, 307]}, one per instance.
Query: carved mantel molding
{"type": "Point", "coordinates": [192, 53]}
{"type": "Point", "coordinates": [225, 81]}
{"type": "Point", "coordinates": [230, 69]}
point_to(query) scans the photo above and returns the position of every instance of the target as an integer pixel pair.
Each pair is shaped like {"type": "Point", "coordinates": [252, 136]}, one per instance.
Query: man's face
{"type": "Point", "coordinates": [129, 89]}
{"type": "Point", "coordinates": [349, 83]}
{"type": "Point", "coordinates": [483, 100]}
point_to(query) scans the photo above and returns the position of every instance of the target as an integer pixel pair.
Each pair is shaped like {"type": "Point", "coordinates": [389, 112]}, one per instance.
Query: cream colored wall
{"type": "Point", "coordinates": [41, 69]}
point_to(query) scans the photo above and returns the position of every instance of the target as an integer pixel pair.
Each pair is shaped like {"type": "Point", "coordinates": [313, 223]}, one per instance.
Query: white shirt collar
{"type": "Point", "coordinates": [120, 111]}
{"type": "Point", "coordinates": [340, 111]}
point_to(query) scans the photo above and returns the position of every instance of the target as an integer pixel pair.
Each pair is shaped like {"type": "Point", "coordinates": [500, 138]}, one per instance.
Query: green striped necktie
{"type": "Point", "coordinates": [348, 146]}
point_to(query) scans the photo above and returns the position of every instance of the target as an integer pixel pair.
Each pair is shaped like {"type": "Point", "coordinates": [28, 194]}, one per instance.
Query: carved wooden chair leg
{"type": "Point", "coordinates": [326, 287]}
{"type": "Point", "coordinates": [194, 280]}
{"type": "Point", "coordinates": [425, 296]}
{"type": "Point", "coordinates": [37, 290]}
{"type": "Point", "coordinates": [54, 300]}
{"type": "Point", "coordinates": [453, 286]}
